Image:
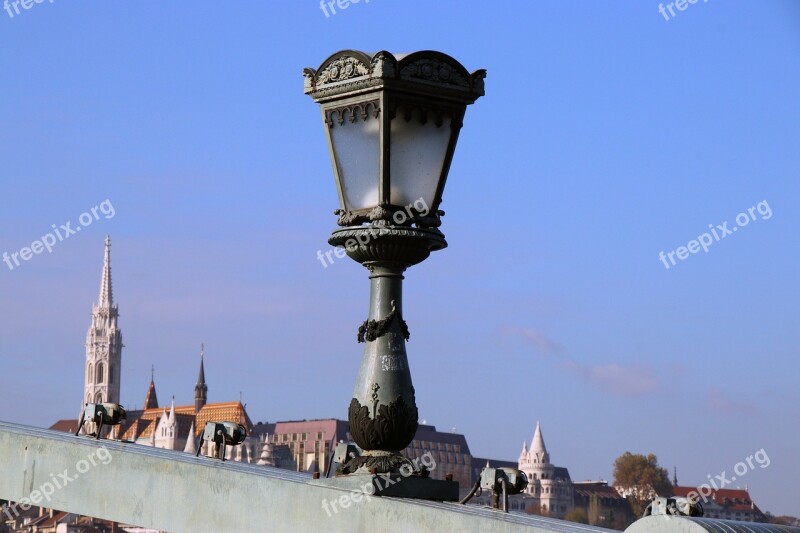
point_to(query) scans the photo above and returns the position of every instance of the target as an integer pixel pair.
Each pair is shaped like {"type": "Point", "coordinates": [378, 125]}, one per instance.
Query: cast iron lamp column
{"type": "Point", "coordinates": [392, 124]}
{"type": "Point", "coordinates": [383, 412]}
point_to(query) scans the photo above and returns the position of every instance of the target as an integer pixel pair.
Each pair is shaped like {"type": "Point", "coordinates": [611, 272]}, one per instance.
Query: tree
{"type": "Point", "coordinates": [577, 514]}
{"type": "Point", "coordinates": [640, 478]}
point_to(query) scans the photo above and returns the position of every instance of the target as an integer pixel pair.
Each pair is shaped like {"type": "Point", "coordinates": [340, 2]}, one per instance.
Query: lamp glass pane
{"type": "Point", "coordinates": [419, 148]}
{"type": "Point", "coordinates": [356, 151]}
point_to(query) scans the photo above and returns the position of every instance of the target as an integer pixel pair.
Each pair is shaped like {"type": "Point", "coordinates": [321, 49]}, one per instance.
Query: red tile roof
{"type": "Point", "coordinates": [142, 424]}
{"type": "Point", "coordinates": [68, 425]}
{"type": "Point", "coordinates": [734, 499]}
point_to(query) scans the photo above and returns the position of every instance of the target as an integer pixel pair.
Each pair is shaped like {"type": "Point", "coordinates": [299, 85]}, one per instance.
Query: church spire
{"type": "Point", "coordinates": [103, 343]}
{"type": "Point", "coordinates": [106, 299]}
{"type": "Point", "coordinates": [151, 400]}
{"type": "Point", "coordinates": [200, 389]}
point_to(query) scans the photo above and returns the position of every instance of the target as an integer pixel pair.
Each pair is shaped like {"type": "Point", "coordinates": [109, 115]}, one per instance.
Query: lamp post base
{"type": "Point", "coordinates": [379, 461]}
{"type": "Point", "coordinates": [395, 485]}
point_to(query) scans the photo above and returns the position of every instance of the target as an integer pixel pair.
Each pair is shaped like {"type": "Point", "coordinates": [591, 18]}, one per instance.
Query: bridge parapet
{"type": "Point", "coordinates": [174, 491]}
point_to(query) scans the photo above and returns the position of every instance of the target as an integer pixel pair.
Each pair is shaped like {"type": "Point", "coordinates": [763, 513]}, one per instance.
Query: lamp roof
{"type": "Point", "coordinates": [425, 73]}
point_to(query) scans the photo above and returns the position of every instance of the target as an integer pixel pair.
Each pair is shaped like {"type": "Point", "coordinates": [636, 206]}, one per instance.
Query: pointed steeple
{"type": "Point", "coordinates": [201, 378]}
{"type": "Point", "coordinates": [675, 476]}
{"type": "Point", "coordinates": [538, 448]}
{"type": "Point", "coordinates": [190, 444]}
{"type": "Point", "coordinates": [200, 389]}
{"type": "Point", "coordinates": [151, 400]}
{"type": "Point", "coordinates": [106, 299]}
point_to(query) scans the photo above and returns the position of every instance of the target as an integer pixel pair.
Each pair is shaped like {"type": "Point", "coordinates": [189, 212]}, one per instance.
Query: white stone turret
{"type": "Point", "coordinates": [549, 487]}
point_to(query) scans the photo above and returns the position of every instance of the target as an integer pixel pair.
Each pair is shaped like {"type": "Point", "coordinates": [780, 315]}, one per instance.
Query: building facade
{"type": "Point", "coordinates": [728, 504]}
{"type": "Point", "coordinates": [307, 445]}
{"type": "Point", "coordinates": [603, 504]}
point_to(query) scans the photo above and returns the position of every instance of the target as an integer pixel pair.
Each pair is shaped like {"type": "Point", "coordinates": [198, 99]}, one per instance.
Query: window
{"type": "Point", "coordinates": [100, 374]}
{"type": "Point", "coordinates": [89, 373]}
{"type": "Point", "coordinates": [320, 435]}
{"type": "Point", "coordinates": [305, 436]}
{"type": "Point", "coordinates": [110, 373]}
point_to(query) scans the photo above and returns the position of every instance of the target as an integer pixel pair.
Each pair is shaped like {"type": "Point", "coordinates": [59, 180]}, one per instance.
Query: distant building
{"type": "Point", "coordinates": [307, 445]}
{"type": "Point", "coordinates": [301, 445]}
{"type": "Point", "coordinates": [612, 509]}
{"type": "Point", "coordinates": [179, 427]}
{"type": "Point", "coordinates": [449, 450]}
{"type": "Point", "coordinates": [173, 428]}
{"type": "Point", "coordinates": [729, 504]}
{"type": "Point", "coordinates": [549, 489]}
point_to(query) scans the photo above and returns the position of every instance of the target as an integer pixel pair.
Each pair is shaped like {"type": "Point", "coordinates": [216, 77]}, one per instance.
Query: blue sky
{"type": "Point", "coordinates": [607, 135]}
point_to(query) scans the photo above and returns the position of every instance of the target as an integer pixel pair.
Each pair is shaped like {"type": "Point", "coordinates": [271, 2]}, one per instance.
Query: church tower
{"type": "Point", "coordinates": [103, 343]}
{"type": "Point", "coordinates": [200, 390]}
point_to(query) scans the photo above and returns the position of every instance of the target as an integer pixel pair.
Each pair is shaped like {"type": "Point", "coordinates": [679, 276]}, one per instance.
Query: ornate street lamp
{"type": "Point", "coordinates": [392, 123]}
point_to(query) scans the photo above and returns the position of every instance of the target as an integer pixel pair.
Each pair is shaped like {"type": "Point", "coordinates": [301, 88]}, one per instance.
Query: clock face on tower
{"type": "Point", "coordinates": [102, 350]}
